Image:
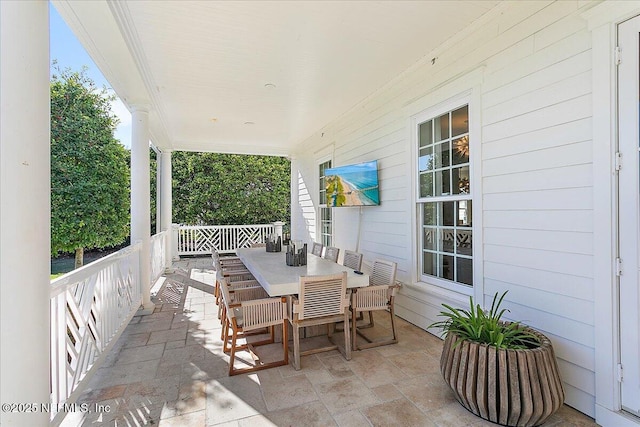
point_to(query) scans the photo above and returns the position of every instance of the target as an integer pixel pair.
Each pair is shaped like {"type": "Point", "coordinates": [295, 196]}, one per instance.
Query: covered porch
{"type": "Point", "coordinates": [168, 369]}
{"type": "Point", "coordinates": [353, 83]}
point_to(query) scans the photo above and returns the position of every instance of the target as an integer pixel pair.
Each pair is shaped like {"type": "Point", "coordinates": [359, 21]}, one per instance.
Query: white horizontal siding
{"type": "Point", "coordinates": [547, 260]}
{"type": "Point", "coordinates": [531, 62]}
{"type": "Point", "coordinates": [578, 153]}
{"type": "Point", "coordinates": [532, 99]}
{"type": "Point", "coordinates": [554, 136]}
{"type": "Point", "coordinates": [561, 284]}
{"type": "Point", "coordinates": [567, 58]}
{"type": "Point", "coordinates": [543, 220]}
{"type": "Point", "coordinates": [554, 199]}
{"type": "Point", "coordinates": [578, 310]}
{"type": "Point", "coordinates": [553, 115]}
{"type": "Point", "coordinates": [557, 241]}
{"type": "Point", "coordinates": [567, 177]}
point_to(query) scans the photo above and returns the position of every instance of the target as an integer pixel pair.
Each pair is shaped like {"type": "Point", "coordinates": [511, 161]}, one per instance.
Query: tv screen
{"type": "Point", "coordinates": [353, 185]}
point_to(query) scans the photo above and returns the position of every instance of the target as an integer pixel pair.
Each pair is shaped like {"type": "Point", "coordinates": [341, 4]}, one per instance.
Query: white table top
{"type": "Point", "coordinates": [277, 278]}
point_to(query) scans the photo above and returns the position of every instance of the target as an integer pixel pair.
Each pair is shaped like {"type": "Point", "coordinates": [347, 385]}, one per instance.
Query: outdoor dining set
{"type": "Point", "coordinates": [262, 300]}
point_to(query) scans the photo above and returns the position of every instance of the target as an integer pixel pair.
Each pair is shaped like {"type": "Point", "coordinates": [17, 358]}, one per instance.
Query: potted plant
{"type": "Point", "coordinates": [504, 372]}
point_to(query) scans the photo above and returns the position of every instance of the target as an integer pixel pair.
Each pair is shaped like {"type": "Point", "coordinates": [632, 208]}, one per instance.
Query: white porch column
{"type": "Point", "coordinates": [166, 200]}
{"type": "Point", "coordinates": [277, 228]}
{"type": "Point", "coordinates": [158, 192]}
{"type": "Point", "coordinates": [174, 242]}
{"type": "Point", "coordinates": [25, 210]}
{"type": "Point", "coordinates": [141, 198]}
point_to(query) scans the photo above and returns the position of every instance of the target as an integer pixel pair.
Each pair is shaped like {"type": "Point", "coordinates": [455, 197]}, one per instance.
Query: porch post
{"type": "Point", "coordinates": [166, 201]}
{"type": "Point", "coordinates": [277, 228]}
{"type": "Point", "coordinates": [141, 199]}
{"type": "Point", "coordinates": [25, 211]}
{"type": "Point", "coordinates": [159, 167]}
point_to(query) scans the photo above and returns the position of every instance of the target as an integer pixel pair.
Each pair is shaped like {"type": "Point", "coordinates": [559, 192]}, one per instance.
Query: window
{"type": "Point", "coordinates": [326, 223]}
{"type": "Point", "coordinates": [444, 197]}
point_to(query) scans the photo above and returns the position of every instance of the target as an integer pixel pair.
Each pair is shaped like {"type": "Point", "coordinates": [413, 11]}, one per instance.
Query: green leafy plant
{"type": "Point", "coordinates": [486, 327]}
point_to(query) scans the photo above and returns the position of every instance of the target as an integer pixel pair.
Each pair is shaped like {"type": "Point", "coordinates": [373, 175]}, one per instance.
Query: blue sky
{"type": "Point", "coordinates": [69, 53]}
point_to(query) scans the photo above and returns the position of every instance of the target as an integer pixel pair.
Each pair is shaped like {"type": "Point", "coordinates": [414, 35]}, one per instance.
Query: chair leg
{"type": "Point", "coordinates": [393, 323]}
{"type": "Point", "coordinates": [225, 336]}
{"type": "Point", "coordinates": [232, 354]}
{"type": "Point", "coordinates": [285, 341]}
{"type": "Point", "coordinates": [354, 333]}
{"type": "Point", "coordinates": [223, 321]}
{"type": "Point", "coordinates": [296, 347]}
{"type": "Point", "coordinates": [347, 338]}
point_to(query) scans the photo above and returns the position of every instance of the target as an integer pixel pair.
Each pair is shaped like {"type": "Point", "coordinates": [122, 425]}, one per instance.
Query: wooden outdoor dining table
{"type": "Point", "coordinates": [279, 279]}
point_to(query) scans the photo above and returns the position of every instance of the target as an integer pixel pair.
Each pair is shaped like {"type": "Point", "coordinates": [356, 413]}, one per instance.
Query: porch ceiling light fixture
{"type": "Point", "coordinates": [249, 123]}
{"type": "Point", "coordinates": [270, 86]}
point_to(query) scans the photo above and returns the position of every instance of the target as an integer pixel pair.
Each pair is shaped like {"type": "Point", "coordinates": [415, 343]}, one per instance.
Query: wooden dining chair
{"type": "Point", "coordinates": [352, 260]}
{"type": "Point", "coordinates": [243, 318]}
{"type": "Point", "coordinates": [317, 249]}
{"type": "Point", "coordinates": [251, 290]}
{"type": "Point", "coordinates": [331, 253]}
{"type": "Point", "coordinates": [235, 273]}
{"type": "Point", "coordinates": [379, 295]}
{"type": "Point", "coordinates": [321, 300]}
{"type": "Point", "coordinates": [225, 260]}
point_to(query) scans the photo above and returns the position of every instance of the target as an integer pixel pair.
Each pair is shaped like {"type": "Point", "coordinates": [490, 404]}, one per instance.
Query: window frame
{"type": "Point", "coordinates": [325, 238]}
{"type": "Point", "coordinates": [468, 98]}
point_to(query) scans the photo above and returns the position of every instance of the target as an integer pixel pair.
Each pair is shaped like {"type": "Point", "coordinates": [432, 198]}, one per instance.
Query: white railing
{"type": "Point", "coordinates": [90, 307]}
{"type": "Point", "coordinates": [201, 240]}
{"type": "Point", "coordinates": [158, 248]}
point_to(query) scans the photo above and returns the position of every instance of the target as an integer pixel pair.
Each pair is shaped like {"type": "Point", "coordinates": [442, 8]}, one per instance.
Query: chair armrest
{"type": "Point", "coordinates": [292, 305]}
{"type": "Point", "coordinates": [393, 289]}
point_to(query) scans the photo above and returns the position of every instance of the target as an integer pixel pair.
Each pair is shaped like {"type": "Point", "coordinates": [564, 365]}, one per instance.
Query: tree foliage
{"type": "Point", "coordinates": [90, 199]}
{"type": "Point", "coordinates": [220, 189]}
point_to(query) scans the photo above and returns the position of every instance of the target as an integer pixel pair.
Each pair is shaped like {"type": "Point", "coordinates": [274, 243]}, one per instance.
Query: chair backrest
{"type": "Point", "coordinates": [321, 296]}
{"type": "Point", "coordinates": [256, 309]}
{"type": "Point", "coordinates": [331, 253]}
{"type": "Point", "coordinates": [352, 260]}
{"type": "Point", "coordinates": [383, 273]}
{"type": "Point", "coordinates": [317, 249]}
{"type": "Point", "coordinates": [226, 298]}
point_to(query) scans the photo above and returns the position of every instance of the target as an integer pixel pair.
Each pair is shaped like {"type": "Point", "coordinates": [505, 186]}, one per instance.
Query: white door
{"type": "Point", "coordinates": [629, 211]}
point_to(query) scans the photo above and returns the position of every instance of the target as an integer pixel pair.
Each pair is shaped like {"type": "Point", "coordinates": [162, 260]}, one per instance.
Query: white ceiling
{"type": "Point", "coordinates": [202, 66]}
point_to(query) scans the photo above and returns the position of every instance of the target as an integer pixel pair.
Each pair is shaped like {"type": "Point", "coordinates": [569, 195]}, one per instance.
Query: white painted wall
{"type": "Point", "coordinates": [529, 66]}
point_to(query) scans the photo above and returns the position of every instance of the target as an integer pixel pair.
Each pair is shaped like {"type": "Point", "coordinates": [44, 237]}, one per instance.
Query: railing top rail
{"type": "Point", "coordinates": [192, 227]}
{"type": "Point", "coordinates": [62, 283]}
{"type": "Point", "coordinates": [158, 235]}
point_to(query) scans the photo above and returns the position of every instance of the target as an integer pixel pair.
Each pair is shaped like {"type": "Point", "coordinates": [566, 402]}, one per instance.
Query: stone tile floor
{"type": "Point", "coordinates": [168, 369]}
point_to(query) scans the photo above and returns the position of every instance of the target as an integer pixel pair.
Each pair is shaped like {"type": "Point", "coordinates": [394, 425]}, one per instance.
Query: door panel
{"type": "Point", "coordinates": [629, 211]}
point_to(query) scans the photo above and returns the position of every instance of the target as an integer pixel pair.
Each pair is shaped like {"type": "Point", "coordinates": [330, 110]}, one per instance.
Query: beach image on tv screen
{"type": "Point", "coordinates": [353, 185]}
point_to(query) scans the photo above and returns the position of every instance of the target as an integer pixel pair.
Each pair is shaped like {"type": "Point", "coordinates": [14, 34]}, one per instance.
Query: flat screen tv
{"type": "Point", "coordinates": [352, 185]}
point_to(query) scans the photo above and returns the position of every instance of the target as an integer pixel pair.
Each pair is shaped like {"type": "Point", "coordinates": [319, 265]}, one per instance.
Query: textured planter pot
{"type": "Point", "coordinates": [508, 387]}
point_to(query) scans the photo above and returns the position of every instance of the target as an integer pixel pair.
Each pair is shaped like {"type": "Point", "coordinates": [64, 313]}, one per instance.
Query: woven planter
{"type": "Point", "coordinates": [508, 387]}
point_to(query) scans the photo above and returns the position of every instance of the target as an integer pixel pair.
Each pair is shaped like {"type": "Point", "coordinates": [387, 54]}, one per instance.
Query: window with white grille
{"type": "Point", "coordinates": [445, 197]}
